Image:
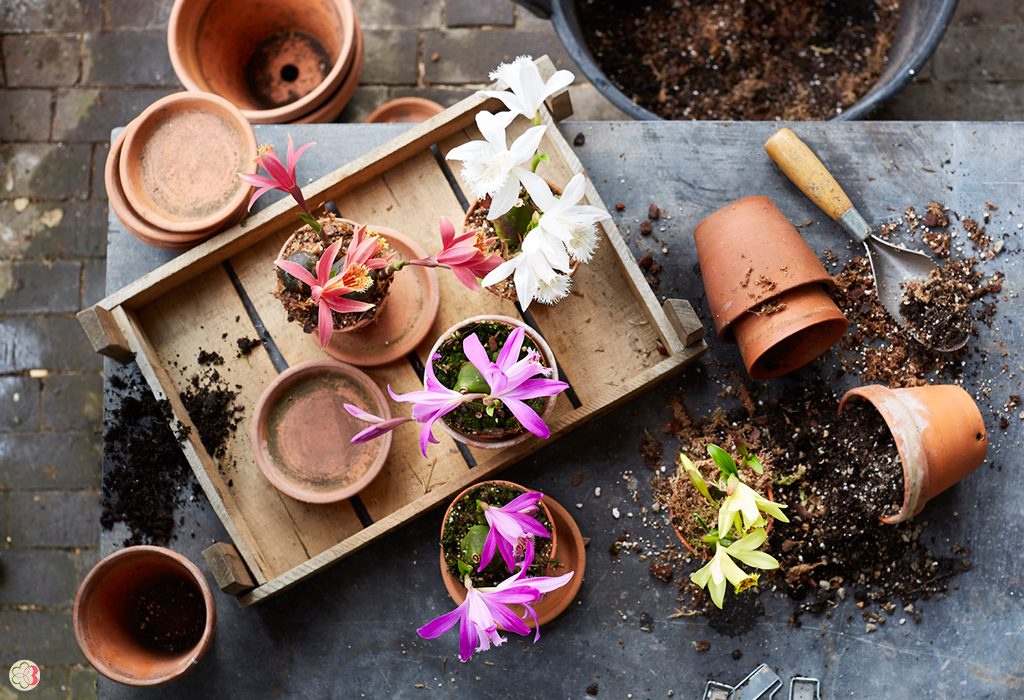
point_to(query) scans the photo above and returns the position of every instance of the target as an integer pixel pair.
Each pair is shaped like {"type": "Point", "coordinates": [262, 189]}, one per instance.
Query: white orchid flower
{"type": "Point", "coordinates": [744, 500]}
{"type": "Point", "coordinates": [722, 568]}
{"type": "Point", "coordinates": [564, 217]}
{"type": "Point", "coordinates": [538, 271]}
{"type": "Point", "coordinates": [528, 89]}
{"type": "Point", "coordinates": [491, 167]}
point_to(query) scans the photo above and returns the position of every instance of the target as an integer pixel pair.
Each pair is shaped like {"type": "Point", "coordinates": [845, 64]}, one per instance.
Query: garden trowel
{"type": "Point", "coordinates": [892, 266]}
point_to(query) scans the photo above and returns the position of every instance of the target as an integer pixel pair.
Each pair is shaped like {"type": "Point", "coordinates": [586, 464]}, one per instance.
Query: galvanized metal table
{"type": "Point", "coordinates": [350, 632]}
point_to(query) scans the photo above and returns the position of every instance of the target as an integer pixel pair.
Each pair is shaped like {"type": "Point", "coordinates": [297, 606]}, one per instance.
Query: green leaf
{"type": "Point", "coordinates": [464, 568]}
{"type": "Point", "coordinates": [724, 460]}
{"type": "Point", "coordinates": [311, 220]}
{"type": "Point", "coordinates": [703, 525]}
{"type": "Point", "coordinates": [695, 477]}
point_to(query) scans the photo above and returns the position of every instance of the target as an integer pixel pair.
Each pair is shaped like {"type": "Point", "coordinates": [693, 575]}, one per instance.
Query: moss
{"type": "Point", "coordinates": [465, 514]}
{"type": "Point", "coordinates": [470, 418]}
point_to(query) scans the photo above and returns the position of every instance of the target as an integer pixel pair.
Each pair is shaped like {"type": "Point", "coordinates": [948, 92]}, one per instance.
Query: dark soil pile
{"type": "Point", "coordinates": [170, 615]}
{"type": "Point", "coordinates": [146, 476]}
{"type": "Point", "coordinates": [737, 59]}
{"type": "Point", "coordinates": [465, 514]}
{"type": "Point", "coordinates": [210, 403]}
{"type": "Point", "coordinates": [937, 310]}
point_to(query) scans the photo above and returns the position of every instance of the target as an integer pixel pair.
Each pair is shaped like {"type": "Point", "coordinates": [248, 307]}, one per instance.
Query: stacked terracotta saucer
{"type": "Point", "coordinates": [288, 61]}
{"type": "Point", "coordinates": [172, 173]}
{"type": "Point", "coordinates": [404, 110]}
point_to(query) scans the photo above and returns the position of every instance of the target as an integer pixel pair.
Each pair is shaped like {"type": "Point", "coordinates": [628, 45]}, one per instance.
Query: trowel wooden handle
{"type": "Point", "coordinates": [802, 167]}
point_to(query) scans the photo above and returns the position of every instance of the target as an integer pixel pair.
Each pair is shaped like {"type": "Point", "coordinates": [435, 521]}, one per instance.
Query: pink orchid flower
{"type": "Point", "coordinates": [378, 426]}
{"type": "Point", "coordinates": [279, 176]}
{"type": "Point", "coordinates": [511, 526]}
{"type": "Point", "coordinates": [436, 400]}
{"type": "Point", "coordinates": [466, 256]}
{"type": "Point", "coordinates": [485, 609]}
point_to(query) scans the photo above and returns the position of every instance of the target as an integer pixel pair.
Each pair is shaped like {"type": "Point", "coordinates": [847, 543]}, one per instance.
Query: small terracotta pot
{"type": "Point", "coordinates": [300, 432]}
{"type": "Point", "coordinates": [404, 110]}
{"type": "Point", "coordinates": [180, 161]}
{"type": "Point", "coordinates": [766, 288]}
{"type": "Point", "coordinates": [276, 60]}
{"type": "Point", "coordinates": [145, 232]}
{"type": "Point", "coordinates": [102, 616]}
{"type": "Point", "coordinates": [939, 433]}
{"type": "Point", "coordinates": [566, 538]}
{"type": "Point", "coordinates": [549, 359]}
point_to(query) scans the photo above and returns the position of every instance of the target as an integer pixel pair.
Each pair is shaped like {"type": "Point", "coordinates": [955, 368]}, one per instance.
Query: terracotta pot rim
{"type": "Point", "coordinates": [336, 103]}
{"type": "Point", "coordinates": [107, 563]}
{"type": "Point", "coordinates": [504, 482]}
{"type": "Point", "coordinates": [417, 105]}
{"type": "Point", "coordinates": [276, 390]}
{"type": "Point", "coordinates": [131, 146]}
{"type": "Point", "coordinates": [569, 591]}
{"type": "Point", "coordinates": [288, 112]}
{"type": "Point", "coordinates": [549, 357]}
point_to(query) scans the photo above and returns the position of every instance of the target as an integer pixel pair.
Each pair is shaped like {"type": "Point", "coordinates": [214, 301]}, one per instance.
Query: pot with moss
{"type": "Point", "coordinates": [473, 423]}
{"type": "Point", "coordinates": [493, 523]}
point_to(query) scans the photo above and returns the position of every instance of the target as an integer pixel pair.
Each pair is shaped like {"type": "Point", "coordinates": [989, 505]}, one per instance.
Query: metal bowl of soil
{"type": "Point", "coordinates": [730, 59]}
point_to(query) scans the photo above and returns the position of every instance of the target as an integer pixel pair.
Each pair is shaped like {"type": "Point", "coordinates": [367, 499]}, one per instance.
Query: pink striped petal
{"type": "Point", "coordinates": [527, 417]}
{"type": "Point", "coordinates": [325, 324]}
{"type": "Point", "coordinates": [439, 625]}
{"type": "Point", "coordinates": [297, 271]}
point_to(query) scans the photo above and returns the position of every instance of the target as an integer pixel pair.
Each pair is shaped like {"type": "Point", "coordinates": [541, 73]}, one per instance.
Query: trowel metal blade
{"type": "Point", "coordinates": [893, 267]}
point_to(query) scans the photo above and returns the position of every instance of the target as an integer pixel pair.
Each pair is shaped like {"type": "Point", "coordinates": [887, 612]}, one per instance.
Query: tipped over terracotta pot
{"type": "Point", "coordinates": [767, 289]}
{"type": "Point", "coordinates": [144, 616]}
{"type": "Point", "coordinates": [276, 60]}
{"type": "Point", "coordinates": [939, 433]}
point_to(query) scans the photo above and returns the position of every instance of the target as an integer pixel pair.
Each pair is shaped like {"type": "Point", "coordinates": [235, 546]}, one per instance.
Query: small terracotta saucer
{"type": "Point", "coordinates": [404, 110]}
{"type": "Point", "coordinates": [572, 555]}
{"type": "Point", "coordinates": [301, 432]}
{"type": "Point", "coordinates": [180, 162]}
{"type": "Point", "coordinates": [412, 305]}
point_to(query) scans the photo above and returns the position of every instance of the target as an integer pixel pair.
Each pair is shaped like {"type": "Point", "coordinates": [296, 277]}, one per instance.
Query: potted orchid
{"type": "Point", "coordinates": [323, 290]}
{"type": "Point", "coordinates": [540, 230]}
{"type": "Point", "coordinates": [488, 381]}
{"type": "Point", "coordinates": [726, 518]}
{"type": "Point", "coordinates": [498, 542]}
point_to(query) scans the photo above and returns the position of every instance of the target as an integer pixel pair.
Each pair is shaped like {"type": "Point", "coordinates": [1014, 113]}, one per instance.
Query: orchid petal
{"type": "Point", "coordinates": [522, 502]}
{"type": "Point", "coordinates": [439, 625]}
{"type": "Point", "coordinates": [297, 271]}
{"type": "Point", "coordinates": [528, 418]}
{"type": "Point", "coordinates": [475, 353]}
{"type": "Point", "coordinates": [510, 350]}
{"type": "Point", "coordinates": [325, 324]}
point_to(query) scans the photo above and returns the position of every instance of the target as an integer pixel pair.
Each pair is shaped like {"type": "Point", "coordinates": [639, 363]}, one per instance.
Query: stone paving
{"type": "Point", "coordinates": [70, 70]}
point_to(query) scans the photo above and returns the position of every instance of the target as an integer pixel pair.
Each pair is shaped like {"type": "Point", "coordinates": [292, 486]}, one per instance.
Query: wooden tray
{"type": "Point", "coordinates": [610, 337]}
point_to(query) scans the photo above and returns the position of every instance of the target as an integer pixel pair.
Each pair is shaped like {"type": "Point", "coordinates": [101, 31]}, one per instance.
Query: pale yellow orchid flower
{"type": "Point", "coordinates": [722, 568]}
{"type": "Point", "coordinates": [748, 504]}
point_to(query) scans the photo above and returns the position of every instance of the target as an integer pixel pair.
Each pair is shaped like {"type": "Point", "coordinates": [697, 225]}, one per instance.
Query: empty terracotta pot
{"type": "Point", "coordinates": [565, 535]}
{"type": "Point", "coordinates": [939, 433]}
{"type": "Point", "coordinates": [766, 288]}
{"type": "Point", "coordinates": [404, 110]}
{"type": "Point", "coordinates": [180, 161]}
{"type": "Point", "coordinates": [134, 587]}
{"type": "Point", "coordinates": [276, 60]}
{"type": "Point", "coordinates": [549, 361]}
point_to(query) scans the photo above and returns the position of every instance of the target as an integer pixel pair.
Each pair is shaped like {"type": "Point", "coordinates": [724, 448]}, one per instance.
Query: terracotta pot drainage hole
{"type": "Point", "coordinates": [286, 67]}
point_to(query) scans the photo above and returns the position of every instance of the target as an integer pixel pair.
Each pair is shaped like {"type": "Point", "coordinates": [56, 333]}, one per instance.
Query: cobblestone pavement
{"type": "Point", "coordinates": [70, 70]}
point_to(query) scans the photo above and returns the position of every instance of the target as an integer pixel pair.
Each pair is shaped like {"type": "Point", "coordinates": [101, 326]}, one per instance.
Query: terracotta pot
{"type": "Point", "coordinates": [566, 539]}
{"type": "Point", "coordinates": [180, 163]}
{"type": "Point", "coordinates": [300, 432]}
{"type": "Point", "coordinates": [404, 110]}
{"type": "Point", "coordinates": [335, 104]}
{"type": "Point", "coordinates": [766, 288]}
{"type": "Point", "coordinates": [145, 232]}
{"type": "Point", "coordinates": [103, 616]}
{"type": "Point", "coordinates": [939, 433]}
{"type": "Point", "coordinates": [549, 360]}
{"type": "Point", "coordinates": [276, 60]}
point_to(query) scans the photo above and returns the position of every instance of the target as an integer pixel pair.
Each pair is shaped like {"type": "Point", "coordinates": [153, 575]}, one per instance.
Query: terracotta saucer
{"type": "Point", "coordinates": [412, 306]}
{"type": "Point", "coordinates": [180, 162]}
{"type": "Point", "coordinates": [145, 232]}
{"type": "Point", "coordinates": [300, 432]}
{"type": "Point", "coordinates": [572, 554]}
{"type": "Point", "coordinates": [404, 110]}
{"type": "Point", "coordinates": [335, 104]}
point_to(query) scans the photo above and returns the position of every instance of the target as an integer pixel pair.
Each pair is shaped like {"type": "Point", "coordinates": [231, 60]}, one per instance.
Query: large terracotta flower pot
{"type": "Point", "coordinates": [180, 161]}
{"type": "Point", "coordinates": [126, 585]}
{"type": "Point", "coordinates": [939, 433]}
{"type": "Point", "coordinates": [549, 361]}
{"type": "Point", "coordinates": [566, 541]}
{"type": "Point", "coordinates": [766, 288]}
{"type": "Point", "coordinates": [276, 60]}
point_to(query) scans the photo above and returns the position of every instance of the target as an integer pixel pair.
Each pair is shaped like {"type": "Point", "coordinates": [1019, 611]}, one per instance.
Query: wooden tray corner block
{"type": "Point", "coordinates": [610, 336]}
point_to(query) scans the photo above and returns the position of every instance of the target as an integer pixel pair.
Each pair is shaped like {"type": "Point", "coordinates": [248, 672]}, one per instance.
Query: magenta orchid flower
{"type": "Point", "coordinates": [467, 256]}
{"type": "Point", "coordinates": [280, 176]}
{"type": "Point", "coordinates": [485, 609]}
{"type": "Point", "coordinates": [328, 291]}
{"type": "Point", "coordinates": [511, 526]}
{"type": "Point", "coordinates": [511, 382]}
{"type": "Point", "coordinates": [378, 425]}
